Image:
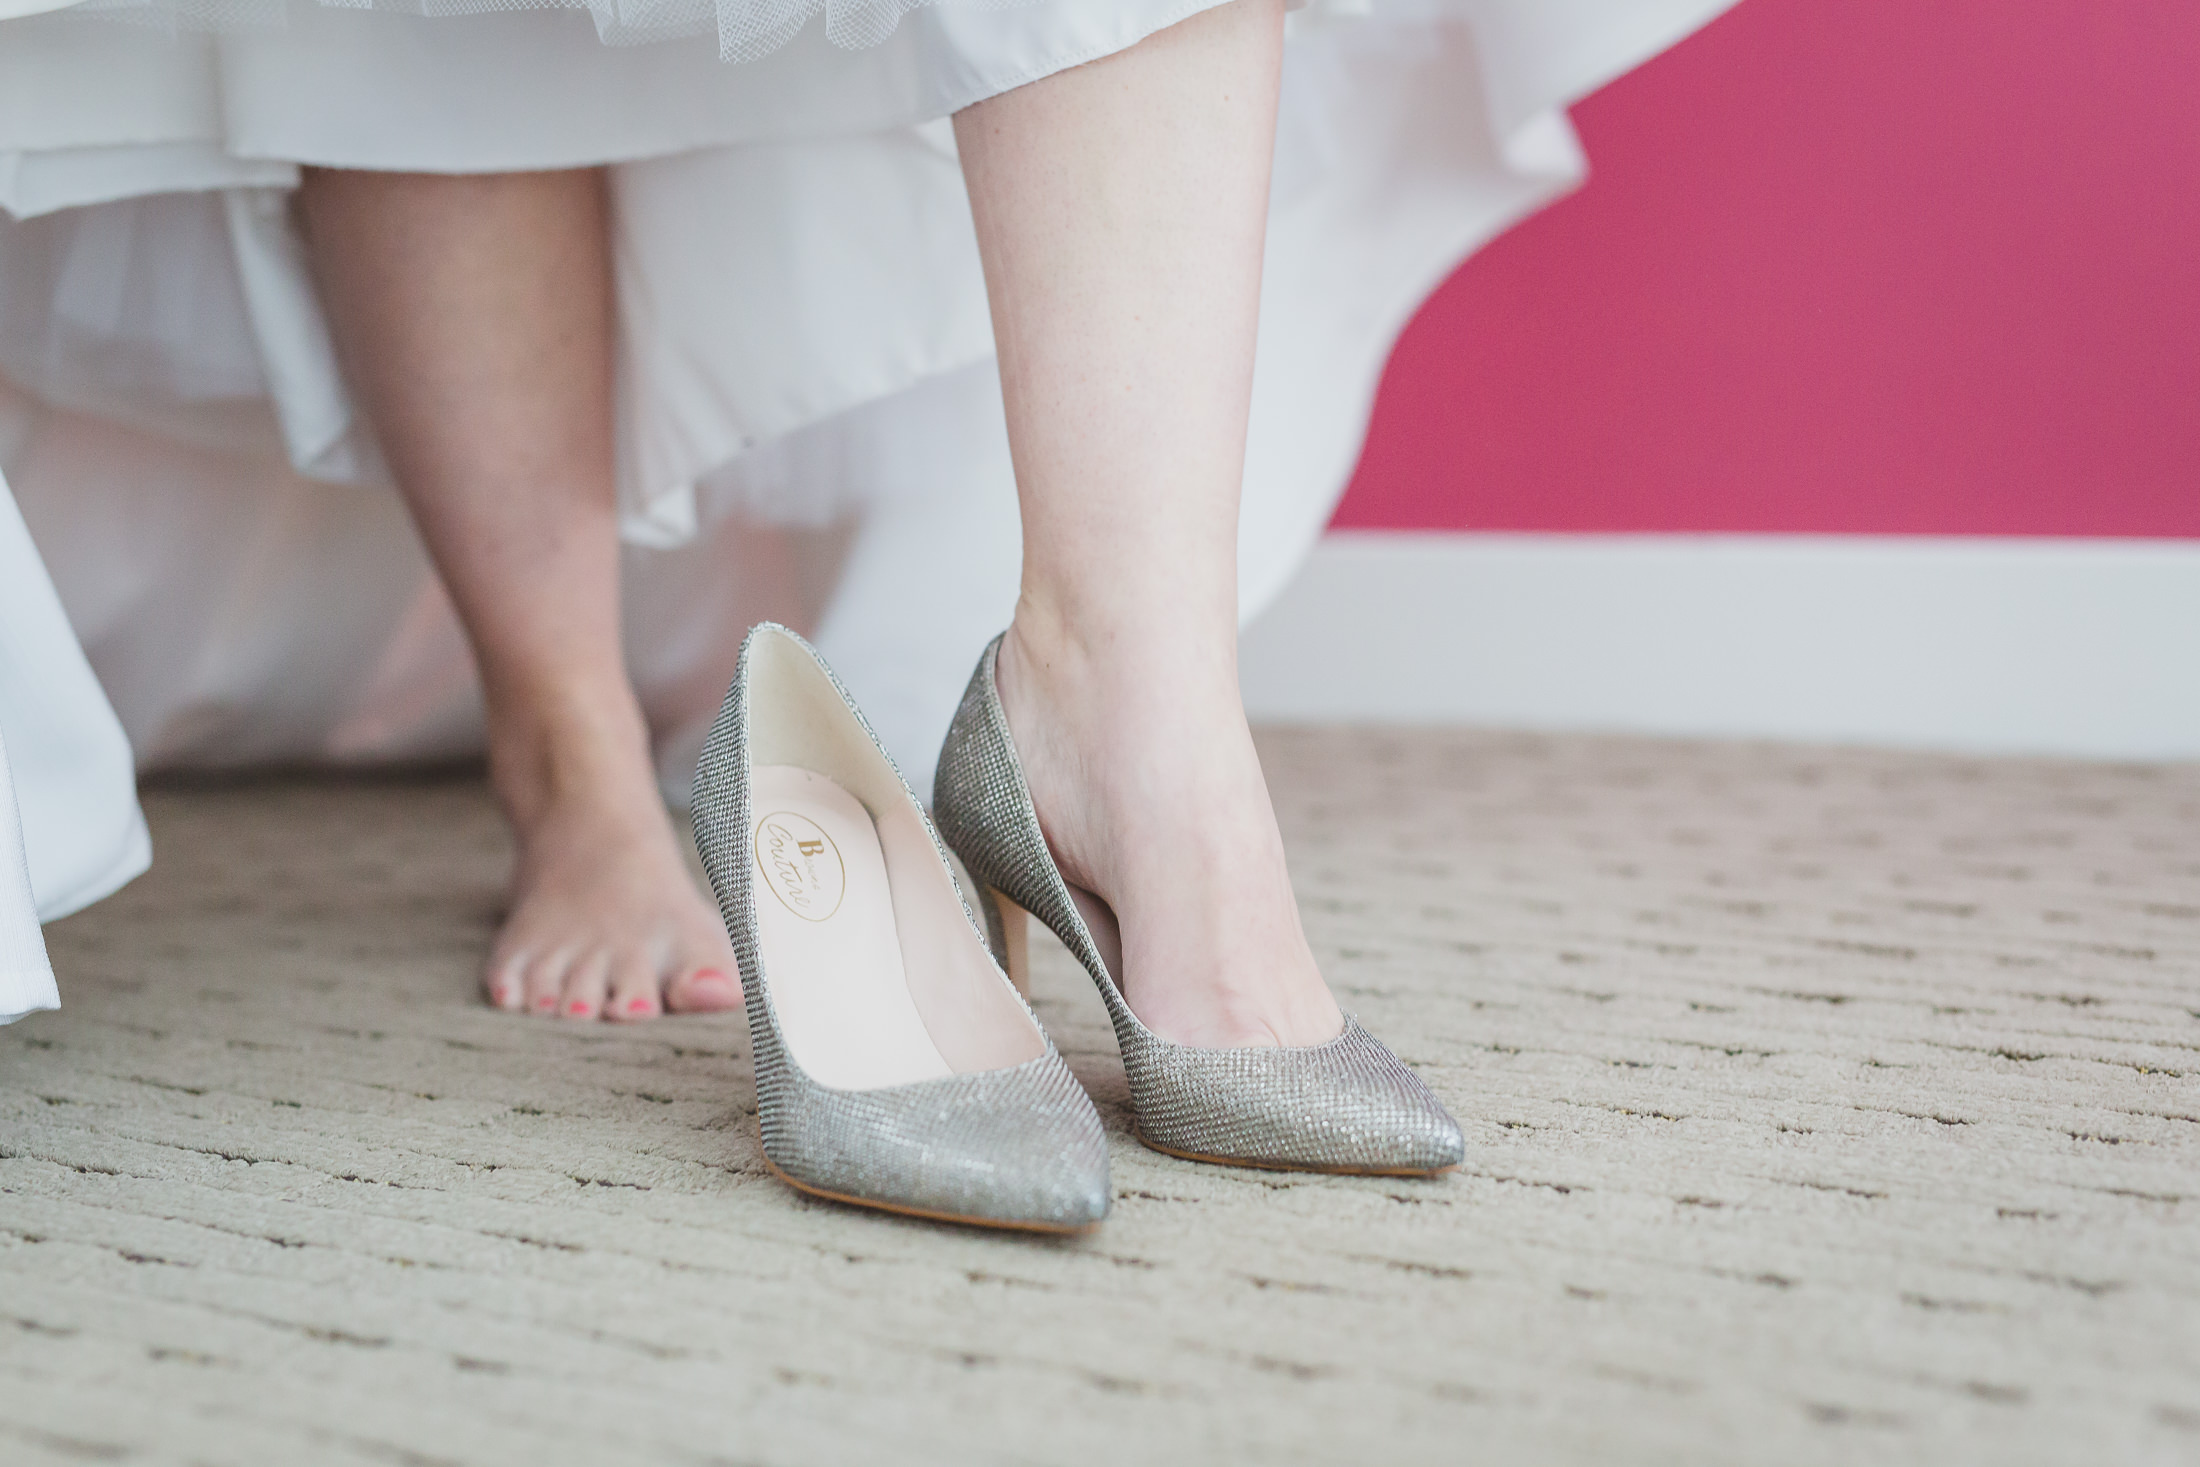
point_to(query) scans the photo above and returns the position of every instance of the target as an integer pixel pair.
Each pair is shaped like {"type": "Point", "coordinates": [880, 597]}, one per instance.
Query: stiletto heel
{"type": "Point", "coordinates": [895, 1065]}
{"type": "Point", "coordinates": [1349, 1105]}
{"type": "Point", "coordinates": [1014, 945]}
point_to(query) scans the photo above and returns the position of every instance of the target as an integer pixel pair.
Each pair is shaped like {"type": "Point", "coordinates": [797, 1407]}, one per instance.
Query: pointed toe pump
{"type": "Point", "coordinates": [1349, 1105]}
{"type": "Point", "coordinates": [895, 1065]}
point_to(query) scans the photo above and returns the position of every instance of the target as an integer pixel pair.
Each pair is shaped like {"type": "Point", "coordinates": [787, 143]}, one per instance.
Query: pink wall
{"type": "Point", "coordinates": [1851, 266]}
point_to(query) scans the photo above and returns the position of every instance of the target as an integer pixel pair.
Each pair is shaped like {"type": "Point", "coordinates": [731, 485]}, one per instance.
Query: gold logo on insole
{"type": "Point", "coordinates": [801, 865]}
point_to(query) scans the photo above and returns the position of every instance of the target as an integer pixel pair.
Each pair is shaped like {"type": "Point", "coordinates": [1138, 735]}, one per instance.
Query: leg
{"type": "Point", "coordinates": [474, 318]}
{"type": "Point", "coordinates": [1121, 208]}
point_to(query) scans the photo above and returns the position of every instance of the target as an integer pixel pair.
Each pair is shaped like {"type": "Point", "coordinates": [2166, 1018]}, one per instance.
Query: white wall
{"type": "Point", "coordinates": [2081, 647]}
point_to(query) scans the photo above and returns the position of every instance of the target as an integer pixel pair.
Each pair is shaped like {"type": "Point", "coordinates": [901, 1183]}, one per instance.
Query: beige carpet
{"type": "Point", "coordinates": [1822, 1106]}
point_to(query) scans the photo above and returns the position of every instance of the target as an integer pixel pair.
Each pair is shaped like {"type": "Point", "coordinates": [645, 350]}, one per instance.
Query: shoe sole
{"type": "Point", "coordinates": [1291, 1166]}
{"type": "Point", "coordinates": [1056, 1230]}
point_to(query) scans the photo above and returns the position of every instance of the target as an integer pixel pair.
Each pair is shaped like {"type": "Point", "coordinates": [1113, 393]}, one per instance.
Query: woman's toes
{"type": "Point", "coordinates": [545, 983]}
{"type": "Point", "coordinates": [504, 981]}
{"type": "Point", "coordinates": [702, 990]}
{"type": "Point", "coordinates": [633, 990]}
{"type": "Point", "coordinates": [587, 984]}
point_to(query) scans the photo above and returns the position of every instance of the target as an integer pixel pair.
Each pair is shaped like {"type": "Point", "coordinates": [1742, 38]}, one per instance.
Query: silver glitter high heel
{"type": "Point", "coordinates": [1346, 1106]}
{"type": "Point", "coordinates": [895, 1066]}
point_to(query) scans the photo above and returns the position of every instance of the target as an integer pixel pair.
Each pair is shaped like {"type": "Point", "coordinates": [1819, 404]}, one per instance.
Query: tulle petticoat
{"type": "Point", "coordinates": [745, 29]}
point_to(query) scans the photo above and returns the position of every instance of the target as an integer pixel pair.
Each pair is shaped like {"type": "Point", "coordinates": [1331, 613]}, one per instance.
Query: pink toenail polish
{"type": "Point", "coordinates": [577, 1006]}
{"type": "Point", "coordinates": [637, 1005]}
{"type": "Point", "coordinates": [712, 975]}
{"type": "Point", "coordinates": [546, 1004]}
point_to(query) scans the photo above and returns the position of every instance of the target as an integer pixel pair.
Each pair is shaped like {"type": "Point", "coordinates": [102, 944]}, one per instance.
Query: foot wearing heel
{"type": "Point", "coordinates": [1148, 789]}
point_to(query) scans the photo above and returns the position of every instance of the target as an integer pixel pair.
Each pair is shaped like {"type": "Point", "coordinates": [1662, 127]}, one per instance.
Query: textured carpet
{"type": "Point", "coordinates": [1822, 1106]}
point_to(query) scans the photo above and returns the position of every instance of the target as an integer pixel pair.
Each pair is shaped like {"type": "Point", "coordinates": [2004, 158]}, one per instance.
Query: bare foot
{"type": "Point", "coordinates": [1150, 795]}
{"type": "Point", "coordinates": [605, 921]}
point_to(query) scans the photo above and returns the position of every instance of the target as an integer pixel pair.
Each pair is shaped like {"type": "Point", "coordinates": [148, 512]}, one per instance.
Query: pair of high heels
{"type": "Point", "coordinates": [897, 1064]}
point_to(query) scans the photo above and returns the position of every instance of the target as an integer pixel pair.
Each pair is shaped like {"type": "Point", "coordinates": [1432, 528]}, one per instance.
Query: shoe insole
{"type": "Point", "coordinates": [832, 952]}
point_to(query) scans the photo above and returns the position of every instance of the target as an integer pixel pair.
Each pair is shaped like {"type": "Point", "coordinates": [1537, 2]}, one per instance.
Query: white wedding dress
{"type": "Point", "coordinates": [809, 423]}
{"type": "Point", "coordinates": [70, 828]}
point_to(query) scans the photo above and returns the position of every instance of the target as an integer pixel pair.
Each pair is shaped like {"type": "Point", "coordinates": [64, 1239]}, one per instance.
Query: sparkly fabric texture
{"type": "Point", "coordinates": [1018, 1146]}
{"type": "Point", "coordinates": [1348, 1105]}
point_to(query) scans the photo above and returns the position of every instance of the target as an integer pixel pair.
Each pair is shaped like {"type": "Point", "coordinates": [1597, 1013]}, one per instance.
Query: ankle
{"type": "Point", "coordinates": [1135, 753]}
{"type": "Point", "coordinates": [552, 745]}
{"type": "Point", "coordinates": [1165, 662]}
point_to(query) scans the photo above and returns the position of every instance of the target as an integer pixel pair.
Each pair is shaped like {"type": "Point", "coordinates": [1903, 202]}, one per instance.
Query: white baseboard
{"type": "Point", "coordinates": [2076, 647]}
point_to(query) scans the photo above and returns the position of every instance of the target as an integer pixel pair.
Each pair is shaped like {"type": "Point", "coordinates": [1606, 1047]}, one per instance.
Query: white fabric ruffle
{"type": "Point", "coordinates": [70, 827]}
{"type": "Point", "coordinates": [809, 425]}
{"type": "Point", "coordinates": [26, 977]}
